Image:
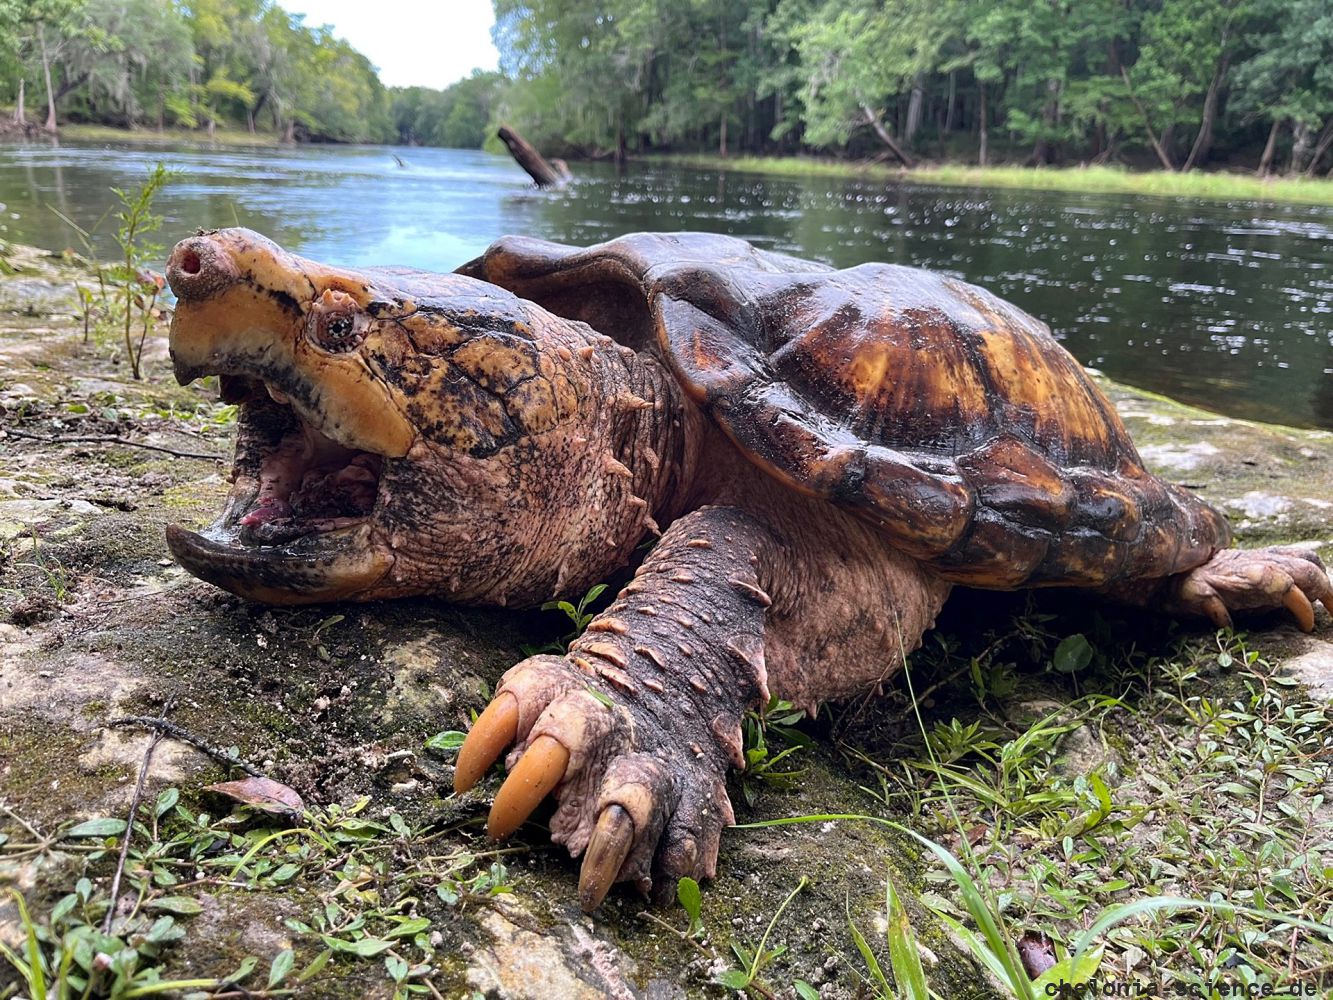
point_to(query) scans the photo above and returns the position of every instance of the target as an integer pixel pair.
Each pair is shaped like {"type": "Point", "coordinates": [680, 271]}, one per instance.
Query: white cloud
{"type": "Point", "coordinates": [411, 42]}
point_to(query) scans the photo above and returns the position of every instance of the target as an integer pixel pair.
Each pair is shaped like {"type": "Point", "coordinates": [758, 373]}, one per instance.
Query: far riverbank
{"type": "Point", "coordinates": [1215, 186]}
{"type": "Point", "coordinates": [1111, 180]}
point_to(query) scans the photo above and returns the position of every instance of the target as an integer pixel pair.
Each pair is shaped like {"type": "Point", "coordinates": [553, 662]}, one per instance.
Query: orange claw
{"type": "Point", "coordinates": [537, 772]}
{"type": "Point", "coordinates": [1327, 602]}
{"type": "Point", "coordinates": [494, 730]}
{"type": "Point", "coordinates": [1299, 605]}
{"type": "Point", "coordinates": [607, 850]}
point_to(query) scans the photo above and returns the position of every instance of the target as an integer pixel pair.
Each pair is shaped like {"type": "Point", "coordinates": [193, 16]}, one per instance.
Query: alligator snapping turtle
{"type": "Point", "coordinates": [824, 454]}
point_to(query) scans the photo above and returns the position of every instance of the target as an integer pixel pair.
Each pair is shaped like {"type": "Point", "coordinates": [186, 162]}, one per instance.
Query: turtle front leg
{"type": "Point", "coordinates": [1253, 580]}
{"type": "Point", "coordinates": [635, 727]}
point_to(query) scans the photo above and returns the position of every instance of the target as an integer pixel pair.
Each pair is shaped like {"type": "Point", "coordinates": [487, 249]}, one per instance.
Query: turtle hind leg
{"type": "Point", "coordinates": [1254, 580]}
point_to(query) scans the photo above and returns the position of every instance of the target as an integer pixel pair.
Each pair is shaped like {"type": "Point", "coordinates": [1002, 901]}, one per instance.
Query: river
{"type": "Point", "coordinates": [1227, 305]}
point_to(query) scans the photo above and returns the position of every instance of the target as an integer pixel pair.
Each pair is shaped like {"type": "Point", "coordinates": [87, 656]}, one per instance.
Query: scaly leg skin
{"type": "Point", "coordinates": [1253, 580]}
{"type": "Point", "coordinates": [636, 726]}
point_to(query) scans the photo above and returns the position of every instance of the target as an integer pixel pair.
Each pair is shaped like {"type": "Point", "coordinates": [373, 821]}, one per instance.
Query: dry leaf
{"type": "Point", "coordinates": [1037, 952]}
{"type": "Point", "coordinates": [262, 793]}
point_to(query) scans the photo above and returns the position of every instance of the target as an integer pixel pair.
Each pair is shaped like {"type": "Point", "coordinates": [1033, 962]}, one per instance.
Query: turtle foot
{"type": "Point", "coordinates": [643, 800]}
{"type": "Point", "coordinates": [634, 728]}
{"type": "Point", "coordinates": [1255, 580]}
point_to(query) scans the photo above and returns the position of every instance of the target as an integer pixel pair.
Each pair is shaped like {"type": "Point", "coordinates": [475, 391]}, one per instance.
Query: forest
{"type": "Point", "coordinates": [1172, 84]}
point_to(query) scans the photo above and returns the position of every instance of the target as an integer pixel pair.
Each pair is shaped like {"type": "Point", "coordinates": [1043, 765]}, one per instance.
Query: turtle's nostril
{"type": "Point", "coordinates": [199, 268]}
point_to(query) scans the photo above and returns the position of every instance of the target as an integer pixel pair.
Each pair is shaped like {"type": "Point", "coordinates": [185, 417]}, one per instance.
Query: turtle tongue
{"type": "Point", "coordinates": [309, 482]}
{"type": "Point", "coordinates": [269, 508]}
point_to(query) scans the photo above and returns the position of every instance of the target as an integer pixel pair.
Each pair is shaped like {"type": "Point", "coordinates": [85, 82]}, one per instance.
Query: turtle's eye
{"type": "Point", "coordinates": [336, 324]}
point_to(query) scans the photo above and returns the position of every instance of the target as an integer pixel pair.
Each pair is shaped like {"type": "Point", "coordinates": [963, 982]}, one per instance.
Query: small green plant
{"type": "Point", "coordinates": [70, 955]}
{"type": "Point", "coordinates": [755, 958]}
{"type": "Point", "coordinates": [689, 897]}
{"type": "Point", "coordinates": [778, 718]}
{"type": "Point", "coordinates": [137, 221]}
{"type": "Point", "coordinates": [49, 566]}
{"type": "Point", "coordinates": [316, 635]}
{"type": "Point", "coordinates": [578, 615]}
{"type": "Point", "coordinates": [85, 308]}
{"type": "Point", "coordinates": [454, 889]}
{"type": "Point", "coordinates": [904, 956]}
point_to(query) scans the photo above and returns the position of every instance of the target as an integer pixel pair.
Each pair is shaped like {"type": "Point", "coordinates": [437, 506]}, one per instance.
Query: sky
{"type": "Point", "coordinates": [425, 43]}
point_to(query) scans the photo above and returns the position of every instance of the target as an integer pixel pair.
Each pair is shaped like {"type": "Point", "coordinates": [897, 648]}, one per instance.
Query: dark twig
{"type": "Point", "coordinates": [129, 826]}
{"type": "Point", "coordinates": [108, 439]}
{"type": "Point", "coordinates": [25, 824]}
{"type": "Point", "coordinates": [164, 728]}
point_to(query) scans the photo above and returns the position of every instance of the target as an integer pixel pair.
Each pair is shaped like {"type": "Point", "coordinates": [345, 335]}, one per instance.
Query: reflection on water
{"type": "Point", "coordinates": [1227, 305]}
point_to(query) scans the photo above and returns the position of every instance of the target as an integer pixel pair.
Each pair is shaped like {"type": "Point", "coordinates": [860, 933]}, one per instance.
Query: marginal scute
{"type": "Point", "coordinates": [948, 418]}
{"type": "Point", "coordinates": [1013, 479]}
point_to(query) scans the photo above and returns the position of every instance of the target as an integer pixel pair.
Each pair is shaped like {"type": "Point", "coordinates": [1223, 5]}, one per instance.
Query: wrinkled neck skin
{"type": "Point", "coordinates": [554, 512]}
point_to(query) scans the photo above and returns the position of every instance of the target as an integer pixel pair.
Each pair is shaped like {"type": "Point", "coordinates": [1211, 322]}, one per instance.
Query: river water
{"type": "Point", "coordinates": [1228, 305]}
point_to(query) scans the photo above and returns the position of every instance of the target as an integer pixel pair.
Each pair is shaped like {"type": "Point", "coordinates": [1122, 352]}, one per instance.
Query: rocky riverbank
{"type": "Point", "coordinates": [391, 877]}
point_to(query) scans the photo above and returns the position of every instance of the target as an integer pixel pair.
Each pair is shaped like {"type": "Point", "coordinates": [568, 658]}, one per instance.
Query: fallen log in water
{"type": "Point", "coordinates": [527, 157]}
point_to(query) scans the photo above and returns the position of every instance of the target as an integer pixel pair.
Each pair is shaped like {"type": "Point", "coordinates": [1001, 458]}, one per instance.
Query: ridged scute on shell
{"type": "Point", "coordinates": [949, 418]}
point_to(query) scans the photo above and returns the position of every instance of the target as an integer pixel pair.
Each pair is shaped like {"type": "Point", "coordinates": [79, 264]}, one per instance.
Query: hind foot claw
{"type": "Point", "coordinates": [1255, 580]}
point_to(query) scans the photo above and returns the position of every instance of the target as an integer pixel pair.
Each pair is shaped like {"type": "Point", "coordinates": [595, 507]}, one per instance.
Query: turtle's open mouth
{"type": "Point", "coordinates": [295, 481]}
{"type": "Point", "coordinates": [298, 525]}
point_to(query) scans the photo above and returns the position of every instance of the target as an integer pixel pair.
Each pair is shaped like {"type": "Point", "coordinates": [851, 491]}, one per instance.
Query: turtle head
{"type": "Point", "coordinates": [373, 408]}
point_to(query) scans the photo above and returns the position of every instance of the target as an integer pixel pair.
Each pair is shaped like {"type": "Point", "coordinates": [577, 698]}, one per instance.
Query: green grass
{"type": "Point", "coordinates": [1188, 811]}
{"type": "Point", "coordinates": [222, 136]}
{"type": "Point", "coordinates": [1109, 180]}
{"type": "Point", "coordinates": [367, 887]}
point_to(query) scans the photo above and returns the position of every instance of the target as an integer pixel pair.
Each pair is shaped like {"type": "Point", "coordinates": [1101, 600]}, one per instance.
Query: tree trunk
{"type": "Point", "coordinates": [981, 122]}
{"type": "Point", "coordinates": [1321, 147]}
{"type": "Point", "coordinates": [873, 121]}
{"type": "Point", "coordinates": [1157, 146]}
{"type": "Point", "coordinates": [722, 47]}
{"type": "Point", "coordinates": [1270, 147]}
{"type": "Point", "coordinates": [1204, 140]}
{"type": "Point", "coordinates": [622, 147]}
{"type": "Point", "coordinates": [20, 117]}
{"type": "Point", "coordinates": [914, 106]}
{"type": "Point", "coordinates": [46, 70]}
{"type": "Point", "coordinates": [541, 172]}
{"type": "Point", "coordinates": [1300, 143]}
{"type": "Point", "coordinates": [953, 96]}
{"type": "Point", "coordinates": [250, 121]}
{"type": "Point", "coordinates": [72, 84]}
{"type": "Point", "coordinates": [1050, 114]}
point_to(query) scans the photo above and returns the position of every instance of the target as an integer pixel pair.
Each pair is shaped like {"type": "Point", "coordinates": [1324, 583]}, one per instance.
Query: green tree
{"type": "Point", "coordinates": [1288, 80]}
{"type": "Point", "coordinates": [33, 37]}
{"type": "Point", "coordinates": [1186, 51]}
{"type": "Point", "coordinates": [130, 59]}
{"type": "Point", "coordinates": [859, 53]}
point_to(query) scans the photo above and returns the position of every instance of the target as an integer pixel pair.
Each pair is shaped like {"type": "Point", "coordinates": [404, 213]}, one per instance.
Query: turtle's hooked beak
{"type": "Point", "coordinates": [314, 432]}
